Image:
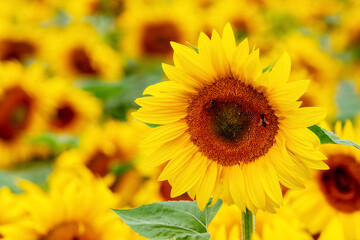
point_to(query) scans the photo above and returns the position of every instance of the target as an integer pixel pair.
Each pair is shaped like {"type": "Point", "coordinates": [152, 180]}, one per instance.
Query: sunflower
{"type": "Point", "coordinates": [21, 94]}
{"type": "Point", "coordinates": [336, 191]}
{"type": "Point", "coordinates": [78, 51]}
{"type": "Point", "coordinates": [103, 149]}
{"type": "Point", "coordinates": [77, 206]}
{"type": "Point", "coordinates": [70, 109]}
{"type": "Point", "coordinates": [27, 11]}
{"type": "Point", "coordinates": [347, 36]}
{"type": "Point", "coordinates": [149, 28]}
{"type": "Point", "coordinates": [228, 129]}
{"type": "Point", "coordinates": [249, 23]}
{"type": "Point", "coordinates": [19, 42]}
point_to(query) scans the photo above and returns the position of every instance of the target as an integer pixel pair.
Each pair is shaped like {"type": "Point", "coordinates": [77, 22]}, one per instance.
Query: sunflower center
{"type": "Point", "coordinates": [15, 109]}
{"type": "Point", "coordinates": [231, 123]}
{"type": "Point", "coordinates": [157, 36]}
{"type": "Point", "coordinates": [341, 183]}
{"type": "Point", "coordinates": [230, 120]}
{"type": "Point", "coordinates": [81, 63]}
{"type": "Point", "coordinates": [70, 231]}
{"type": "Point", "coordinates": [64, 116]}
{"type": "Point", "coordinates": [11, 49]}
{"type": "Point", "coordinates": [99, 163]}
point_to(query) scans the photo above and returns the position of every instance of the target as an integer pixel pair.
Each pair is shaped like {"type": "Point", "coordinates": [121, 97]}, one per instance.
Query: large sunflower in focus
{"type": "Point", "coordinates": [334, 192]}
{"type": "Point", "coordinates": [228, 129]}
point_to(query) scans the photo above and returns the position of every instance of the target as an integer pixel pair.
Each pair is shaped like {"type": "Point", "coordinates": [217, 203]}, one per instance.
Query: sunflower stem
{"type": "Point", "coordinates": [247, 224]}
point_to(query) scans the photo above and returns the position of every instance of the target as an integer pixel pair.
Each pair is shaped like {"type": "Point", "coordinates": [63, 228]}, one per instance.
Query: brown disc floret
{"type": "Point", "coordinates": [231, 122]}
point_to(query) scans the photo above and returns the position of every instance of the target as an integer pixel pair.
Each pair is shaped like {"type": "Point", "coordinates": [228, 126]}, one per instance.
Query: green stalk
{"type": "Point", "coordinates": [247, 224]}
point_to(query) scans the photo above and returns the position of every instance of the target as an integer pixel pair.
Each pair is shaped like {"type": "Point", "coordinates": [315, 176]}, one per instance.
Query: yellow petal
{"type": "Point", "coordinates": [159, 115]}
{"type": "Point", "coordinates": [218, 57]}
{"type": "Point", "coordinates": [176, 163]}
{"type": "Point", "coordinates": [239, 58]}
{"type": "Point", "coordinates": [165, 133]}
{"type": "Point", "coordinates": [191, 63]}
{"type": "Point", "coordinates": [303, 117]}
{"type": "Point", "coordinates": [229, 43]}
{"type": "Point", "coordinates": [270, 182]}
{"type": "Point", "coordinates": [290, 91]}
{"type": "Point", "coordinates": [281, 71]}
{"type": "Point", "coordinates": [177, 75]}
{"type": "Point", "coordinates": [253, 186]}
{"type": "Point", "coordinates": [191, 173]}
{"type": "Point", "coordinates": [237, 186]}
{"type": "Point", "coordinates": [207, 185]}
{"type": "Point", "coordinates": [166, 151]}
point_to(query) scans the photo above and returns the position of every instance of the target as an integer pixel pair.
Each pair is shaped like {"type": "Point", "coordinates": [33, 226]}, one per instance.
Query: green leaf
{"type": "Point", "coordinates": [326, 136]}
{"type": "Point", "coordinates": [57, 142]}
{"type": "Point", "coordinates": [35, 171]}
{"type": "Point", "coordinates": [181, 220]}
{"type": "Point", "coordinates": [122, 168]}
{"type": "Point", "coordinates": [119, 97]}
{"type": "Point", "coordinates": [348, 100]}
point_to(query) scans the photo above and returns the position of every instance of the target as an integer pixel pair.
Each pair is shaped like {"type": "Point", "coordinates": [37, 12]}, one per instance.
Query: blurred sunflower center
{"type": "Point", "coordinates": [11, 49]}
{"type": "Point", "coordinates": [231, 122]}
{"type": "Point", "coordinates": [70, 231]}
{"type": "Point", "coordinates": [157, 36]}
{"type": "Point", "coordinates": [64, 116]}
{"type": "Point", "coordinates": [15, 108]}
{"type": "Point", "coordinates": [241, 27]}
{"type": "Point", "coordinates": [81, 63]}
{"type": "Point", "coordinates": [99, 162]}
{"type": "Point", "coordinates": [341, 183]}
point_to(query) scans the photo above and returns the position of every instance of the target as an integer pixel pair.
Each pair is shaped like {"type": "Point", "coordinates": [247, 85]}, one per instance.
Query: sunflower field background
{"type": "Point", "coordinates": [70, 149]}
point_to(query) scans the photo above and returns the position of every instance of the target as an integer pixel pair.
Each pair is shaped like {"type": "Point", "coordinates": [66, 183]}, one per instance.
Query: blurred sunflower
{"type": "Point", "coordinates": [21, 94]}
{"type": "Point", "coordinates": [149, 28]}
{"type": "Point", "coordinates": [336, 191]}
{"type": "Point", "coordinates": [347, 36]}
{"type": "Point", "coordinates": [70, 109]}
{"type": "Point", "coordinates": [77, 206]}
{"type": "Point", "coordinates": [78, 51]}
{"type": "Point", "coordinates": [230, 130]}
{"type": "Point", "coordinates": [248, 24]}
{"type": "Point", "coordinates": [285, 225]}
{"type": "Point", "coordinates": [27, 12]}
{"type": "Point", "coordinates": [19, 42]}
{"type": "Point", "coordinates": [105, 151]}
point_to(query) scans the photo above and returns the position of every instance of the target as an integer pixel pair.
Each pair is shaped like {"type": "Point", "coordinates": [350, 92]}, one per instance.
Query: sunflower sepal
{"type": "Point", "coordinates": [328, 137]}
{"type": "Point", "coordinates": [193, 47]}
{"type": "Point", "coordinates": [171, 220]}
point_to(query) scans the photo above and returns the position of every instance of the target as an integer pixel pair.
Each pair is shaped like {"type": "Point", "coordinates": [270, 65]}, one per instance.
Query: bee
{"type": "Point", "coordinates": [211, 104]}
{"type": "Point", "coordinates": [263, 121]}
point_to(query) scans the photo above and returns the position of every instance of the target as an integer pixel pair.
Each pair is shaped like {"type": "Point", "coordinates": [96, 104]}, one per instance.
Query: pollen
{"type": "Point", "coordinates": [231, 122]}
